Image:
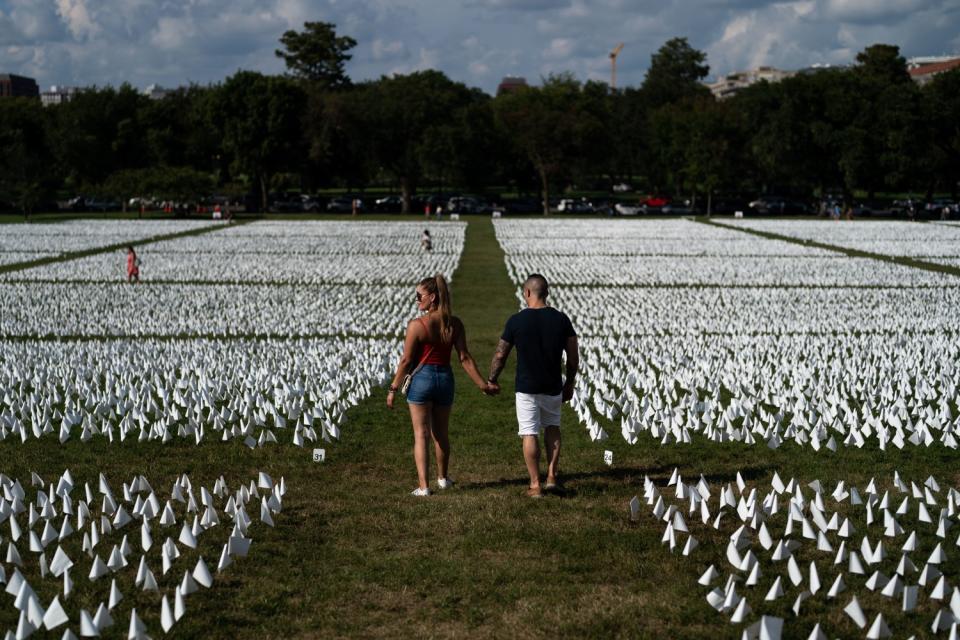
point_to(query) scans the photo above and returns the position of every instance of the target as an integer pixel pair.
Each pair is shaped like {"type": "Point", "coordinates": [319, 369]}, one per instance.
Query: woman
{"type": "Point", "coordinates": [426, 349]}
{"type": "Point", "coordinates": [133, 266]}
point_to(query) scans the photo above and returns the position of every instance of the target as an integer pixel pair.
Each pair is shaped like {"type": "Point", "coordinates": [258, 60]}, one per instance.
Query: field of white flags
{"type": "Point", "coordinates": [82, 555]}
{"type": "Point", "coordinates": [694, 331]}
{"type": "Point", "coordinates": [938, 243]}
{"type": "Point", "coordinates": [24, 242]}
{"type": "Point", "coordinates": [875, 561]}
{"type": "Point", "coordinates": [259, 333]}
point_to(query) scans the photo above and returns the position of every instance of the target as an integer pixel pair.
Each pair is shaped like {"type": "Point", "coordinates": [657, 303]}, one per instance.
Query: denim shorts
{"type": "Point", "coordinates": [433, 383]}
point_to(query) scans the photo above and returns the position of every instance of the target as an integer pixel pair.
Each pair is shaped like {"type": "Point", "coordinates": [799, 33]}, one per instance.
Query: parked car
{"type": "Point", "coordinates": [773, 205]}
{"type": "Point", "coordinates": [522, 205]}
{"type": "Point", "coordinates": [937, 205]}
{"type": "Point", "coordinates": [655, 202]}
{"type": "Point", "coordinates": [388, 204]}
{"type": "Point", "coordinates": [568, 205]}
{"type": "Point", "coordinates": [909, 207]}
{"type": "Point", "coordinates": [286, 203]}
{"type": "Point", "coordinates": [729, 205]}
{"type": "Point", "coordinates": [622, 187]}
{"type": "Point", "coordinates": [679, 208]}
{"type": "Point", "coordinates": [344, 204]}
{"type": "Point", "coordinates": [467, 204]}
{"type": "Point", "coordinates": [311, 204]}
{"type": "Point", "coordinates": [627, 209]}
{"type": "Point", "coordinates": [102, 206]}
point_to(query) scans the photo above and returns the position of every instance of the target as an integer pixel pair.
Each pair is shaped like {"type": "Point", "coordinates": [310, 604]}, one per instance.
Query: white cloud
{"type": "Point", "coordinates": [77, 18]}
{"type": "Point", "coordinates": [559, 49]}
{"type": "Point", "coordinates": [172, 33]}
{"type": "Point", "coordinates": [392, 50]}
{"type": "Point", "coordinates": [478, 68]}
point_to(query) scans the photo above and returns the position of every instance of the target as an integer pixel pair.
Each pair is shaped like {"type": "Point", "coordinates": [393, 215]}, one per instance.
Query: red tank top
{"type": "Point", "coordinates": [436, 352]}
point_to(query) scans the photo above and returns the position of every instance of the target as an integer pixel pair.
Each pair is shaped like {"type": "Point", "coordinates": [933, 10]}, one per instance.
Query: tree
{"type": "Point", "coordinates": [675, 72]}
{"type": "Point", "coordinates": [98, 132]}
{"type": "Point", "coordinates": [878, 137]}
{"type": "Point", "coordinates": [882, 64]}
{"type": "Point", "coordinates": [395, 118]}
{"type": "Point", "coordinates": [941, 155]}
{"type": "Point", "coordinates": [549, 125]}
{"type": "Point", "coordinates": [26, 164]}
{"type": "Point", "coordinates": [260, 120]}
{"type": "Point", "coordinates": [178, 131]}
{"type": "Point", "coordinates": [317, 54]}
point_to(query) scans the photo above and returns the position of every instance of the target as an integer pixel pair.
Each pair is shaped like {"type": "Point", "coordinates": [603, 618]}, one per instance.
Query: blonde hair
{"type": "Point", "coordinates": [438, 285]}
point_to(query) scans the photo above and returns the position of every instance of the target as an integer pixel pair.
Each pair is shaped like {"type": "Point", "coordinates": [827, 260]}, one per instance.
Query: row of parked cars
{"type": "Point", "coordinates": [615, 206]}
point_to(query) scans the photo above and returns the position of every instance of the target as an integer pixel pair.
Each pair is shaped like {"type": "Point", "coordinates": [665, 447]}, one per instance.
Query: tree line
{"type": "Point", "coordinates": [867, 127]}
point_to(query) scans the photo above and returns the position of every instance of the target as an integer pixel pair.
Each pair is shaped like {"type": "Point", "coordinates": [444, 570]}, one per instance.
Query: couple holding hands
{"type": "Point", "coordinates": [541, 335]}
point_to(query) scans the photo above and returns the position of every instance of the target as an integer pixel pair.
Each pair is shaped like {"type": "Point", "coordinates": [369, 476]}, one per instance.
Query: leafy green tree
{"type": "Point", "coordinates": [99, 132]}
{"type": "Point", "coordinates": [676, 71]}
{"type": "Point", "coordinates": [26, 164]}
{"type": "Point", "coordinates": [883, 65]}
{"type": "Point", "coordinates": [337, 140]}
{"type": "Point", "coordinates": [549, 124]}
{"type": "Point", "coordinates": [317, 54]}
{"type": "Point", "coordinates": [392, 118]}
{"type": "Point", "coordinates": [260, 120]}
{"type": "Point", "coordinates": [877, 138]}
{"type": "Point", "coordinates": [940, 152]}
{"type": "Point", "coordinates": [178, 131]}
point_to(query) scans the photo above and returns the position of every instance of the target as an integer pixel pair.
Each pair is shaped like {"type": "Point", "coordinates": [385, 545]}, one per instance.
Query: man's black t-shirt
{"type": "Point", "coordinates": [540, 336]}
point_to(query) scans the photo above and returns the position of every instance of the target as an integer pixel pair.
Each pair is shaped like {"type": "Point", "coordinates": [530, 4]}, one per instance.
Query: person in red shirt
{"type": "Point", "coordinates": [426, 349]}
{"type": "Point", "coordinates": [133, 266]}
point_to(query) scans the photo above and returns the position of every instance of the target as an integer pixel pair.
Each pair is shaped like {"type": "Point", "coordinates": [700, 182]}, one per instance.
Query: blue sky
{"type": "Point", "coordinates": [173, 42]}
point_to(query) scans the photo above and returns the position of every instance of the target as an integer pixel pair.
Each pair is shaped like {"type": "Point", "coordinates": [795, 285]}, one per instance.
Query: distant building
{"type": "Point", "coordinates": [511, 83]}
{"type": "Point", "coordinates": [58, 95]}
{"type": "Point", "coordinates": [920, 61]}
{"type": "Point", "coordinates": [156, 92]}
{"type": "Point", "coordinates": [924, 72]}
{"type": "Point", "coordinates": [13, 86]}
{"type": "Point", "coordinates": [728, 85]}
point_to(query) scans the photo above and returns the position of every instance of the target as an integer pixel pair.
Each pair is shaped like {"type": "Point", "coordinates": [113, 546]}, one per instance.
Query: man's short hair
{"type": "Point", "coordinates": [537, 285]}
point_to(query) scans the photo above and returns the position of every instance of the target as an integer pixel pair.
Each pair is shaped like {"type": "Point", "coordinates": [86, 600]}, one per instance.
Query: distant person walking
{"type": "Point", "coordinates": [426, 241]}
{"type": "Point", "coordinates": [542, 336]}
{"type": "Point", "coordinates": [133, 265]}
{"type": "Point", "coordinates": [429, 341]}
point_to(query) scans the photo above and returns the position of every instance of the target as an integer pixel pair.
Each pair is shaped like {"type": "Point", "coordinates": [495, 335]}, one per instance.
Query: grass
{"type": "Point", "coordinates": [352, 555]}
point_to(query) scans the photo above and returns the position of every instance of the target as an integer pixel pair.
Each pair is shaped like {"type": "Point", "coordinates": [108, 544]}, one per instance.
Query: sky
{"type": "Point", "coordinates": [175, 42]}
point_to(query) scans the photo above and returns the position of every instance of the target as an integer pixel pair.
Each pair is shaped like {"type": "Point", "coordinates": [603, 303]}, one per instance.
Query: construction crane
{"type": "Point", "coordinates": [613, 65]}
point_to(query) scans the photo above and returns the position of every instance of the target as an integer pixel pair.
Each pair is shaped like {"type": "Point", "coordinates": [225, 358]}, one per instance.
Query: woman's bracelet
{"type": "Point", "coordinates": [392, 390]}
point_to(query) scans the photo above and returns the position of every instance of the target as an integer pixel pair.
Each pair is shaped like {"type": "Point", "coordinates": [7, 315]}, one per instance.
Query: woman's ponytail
{"type": "Point", "coordinates": [443, 305]}
{"type": "Point", "coordinates": [437, 285]}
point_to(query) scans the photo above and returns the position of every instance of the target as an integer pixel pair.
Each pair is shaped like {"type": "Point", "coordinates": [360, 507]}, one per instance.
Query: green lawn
{"type": "Point", "coordinates": [352, 554]}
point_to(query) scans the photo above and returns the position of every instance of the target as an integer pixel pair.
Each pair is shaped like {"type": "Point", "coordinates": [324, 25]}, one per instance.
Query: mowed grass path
{"type": "Point", "coordinates": [353, 555]}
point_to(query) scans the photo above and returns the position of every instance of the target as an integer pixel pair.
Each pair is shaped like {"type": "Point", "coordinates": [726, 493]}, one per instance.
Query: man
{"type": "Point", "coordinates": [542, 335]}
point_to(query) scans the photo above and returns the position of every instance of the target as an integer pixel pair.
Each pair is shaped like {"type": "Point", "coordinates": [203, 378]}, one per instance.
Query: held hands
{"type": "Point", "coordinates": [490, 389]}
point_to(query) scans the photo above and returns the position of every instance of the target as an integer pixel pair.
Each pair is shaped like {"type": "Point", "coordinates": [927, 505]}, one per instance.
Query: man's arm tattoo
{"type": "Point", "coordinates": [499, 359]}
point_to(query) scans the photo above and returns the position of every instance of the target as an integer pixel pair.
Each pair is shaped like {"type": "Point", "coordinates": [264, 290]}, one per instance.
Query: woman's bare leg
{"type": "Point", "coordinates": [420, 416]}
{"type": "Point", "coordinates": [441, 438]}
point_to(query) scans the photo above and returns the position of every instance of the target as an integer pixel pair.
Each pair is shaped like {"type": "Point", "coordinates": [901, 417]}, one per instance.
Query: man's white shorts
{"type": "Point", "coordinates": [536, 411]}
